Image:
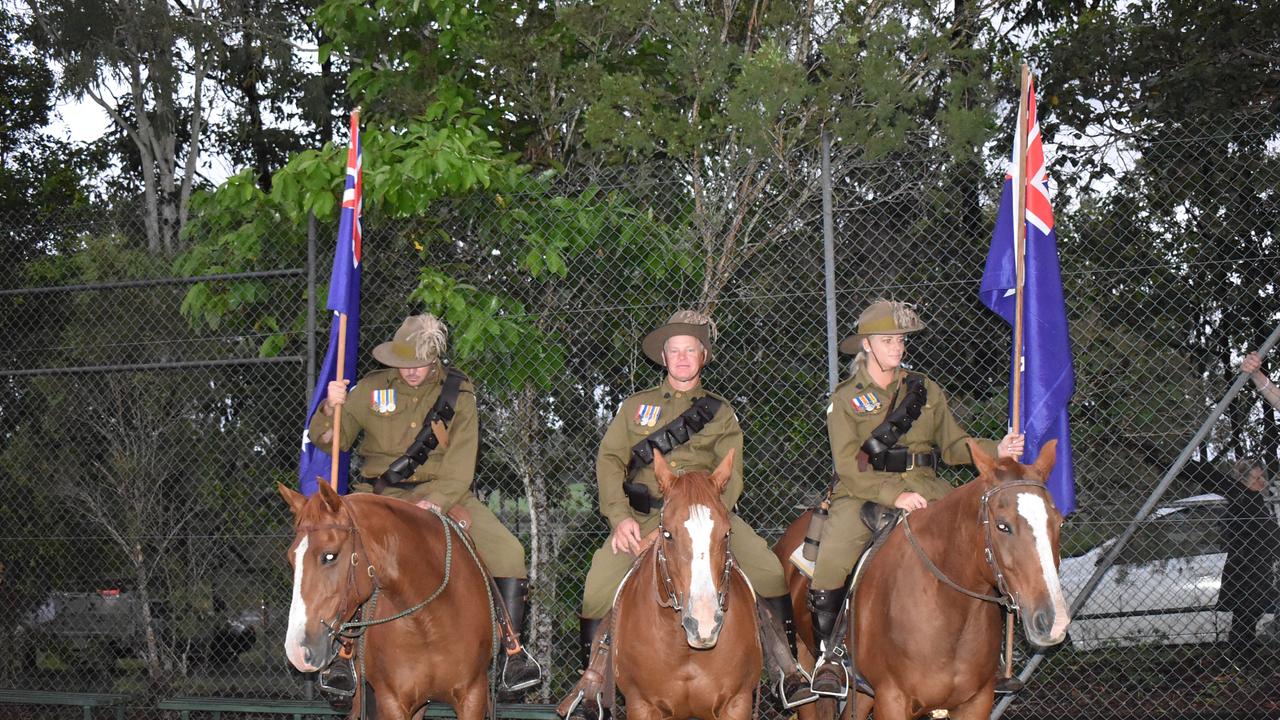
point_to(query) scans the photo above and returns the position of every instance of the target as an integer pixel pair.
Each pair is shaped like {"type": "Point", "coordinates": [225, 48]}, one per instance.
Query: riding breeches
{"type": "Point", "coordinates": [501, 552]}
{"type": "Point", "coordinates": [843, 537]}
{"type": "Point", "coordinates": [750, 552]}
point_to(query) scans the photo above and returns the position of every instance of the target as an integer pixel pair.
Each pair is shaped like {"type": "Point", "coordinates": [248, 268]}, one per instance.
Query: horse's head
{"type": "Point", "coordinates": [1022, 526]}
{"type": "Point", "coordinates": [330, 579]}
{"type": "Point", "coordinates": [693, 548]}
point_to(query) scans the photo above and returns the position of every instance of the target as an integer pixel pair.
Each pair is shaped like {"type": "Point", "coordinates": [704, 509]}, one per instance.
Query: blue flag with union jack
{"type": "Point", "coordinates": [1048, 379]}
{"type": "Point", "coordinates": [344, 298]}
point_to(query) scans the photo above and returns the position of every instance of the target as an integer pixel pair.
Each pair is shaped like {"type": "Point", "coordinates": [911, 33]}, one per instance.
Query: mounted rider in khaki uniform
{"type": "Point", "coordinates": [630, 497]}
{"type": "Point", "coordinates": [888, 428]}
{"type": "Point", "coordinates": [421, 436]}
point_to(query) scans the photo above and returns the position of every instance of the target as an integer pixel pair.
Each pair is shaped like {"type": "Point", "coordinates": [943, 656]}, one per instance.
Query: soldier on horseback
{"type": "Point", "coordinates": [888, 428]}
{"type": "Point", "coordinates": [694, 430]}
{"type": "Point", "coordinates": [421, 435]}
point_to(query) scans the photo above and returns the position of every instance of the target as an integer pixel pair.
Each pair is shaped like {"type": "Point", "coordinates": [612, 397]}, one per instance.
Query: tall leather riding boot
{"type": "Point", "coordinates": [587, 628]}
{"type": "Point", "coordinates": [519, 670]}
{"type": "Point", "coordinates": [830, 678]}
{"type": "Point", "coordinates": [793, 685]}
{"type": "Point", "coordinates": [583, 702]}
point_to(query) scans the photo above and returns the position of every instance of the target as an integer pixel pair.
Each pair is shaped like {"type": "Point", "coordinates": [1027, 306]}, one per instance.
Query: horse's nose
{"type": "Point", "coordinates": [690, 625]}
{"type": "Point", "coordinates": [306, 655]}
{"type": "Point", "coordinates": [1042, 622]}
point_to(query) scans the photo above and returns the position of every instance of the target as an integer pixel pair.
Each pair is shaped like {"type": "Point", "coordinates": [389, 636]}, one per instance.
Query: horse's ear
{"type": "Point", "coordinates": [720, 476]}
{"type": "Point", "coordinates": [330, 496]}
{"type": "Point", "coordinates": [292, 497]}
{"type": "Point", "coordinates": [985, 463]}
{"type": "Point", "coordinates": [662, 471]}
{"type": "Point", "coordinates": [1044, 463]}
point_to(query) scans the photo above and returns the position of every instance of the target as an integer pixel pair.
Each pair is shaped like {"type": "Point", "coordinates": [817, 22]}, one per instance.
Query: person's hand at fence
{"type": "Point", "coordinates": [626, 537]}
{"type": "Point", "coordinates": [1252, 366]}
{"type": "Point", "coordinates": [337, 395]}
{"type": "Point", "coordinates": [1011, 446]}
{"type": "Point", "coordinates": [910, 501]}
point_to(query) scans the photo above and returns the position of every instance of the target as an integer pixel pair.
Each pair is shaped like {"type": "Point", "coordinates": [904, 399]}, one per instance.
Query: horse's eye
{"type": "Point", "coordinates": [1004, 528]}
{"type": "Point", "coordinates": [327, 558]}
{"type": "Point", "coordinates": [666, 534]}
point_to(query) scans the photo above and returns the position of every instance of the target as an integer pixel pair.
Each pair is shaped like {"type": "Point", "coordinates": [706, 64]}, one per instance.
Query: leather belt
{"type": "Point", "coordinates": [900, 459]}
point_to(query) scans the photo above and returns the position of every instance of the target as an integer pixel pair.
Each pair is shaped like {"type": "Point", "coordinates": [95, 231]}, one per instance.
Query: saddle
{"type": "Point", "coordinates": [879, 519]}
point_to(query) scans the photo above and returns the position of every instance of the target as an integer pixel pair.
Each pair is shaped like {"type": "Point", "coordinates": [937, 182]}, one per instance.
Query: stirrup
{"type": "Point", "coordinates": [823, 662]}
{"type": "Point", "coordinates": [784, 698]}
{"type": "Point", "coordinates": [505, 686]}
{"type": "Point", "coordinates": [338, 694]}
{"type": "Point", "coordinates": [582, 695]}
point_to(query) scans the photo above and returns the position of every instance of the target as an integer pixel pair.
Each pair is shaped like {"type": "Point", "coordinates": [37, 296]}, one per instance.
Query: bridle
{"type": "Point", "coordinates": [340, 631]}
{"type": "Point", "coordinates": [1005, 599]}
{"type": "Point", "coordinates": [662, 571]}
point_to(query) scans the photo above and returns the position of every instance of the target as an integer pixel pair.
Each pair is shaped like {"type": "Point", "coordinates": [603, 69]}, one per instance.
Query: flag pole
{"type": "Point", "coordinates": [1020, 263]}
{"type": "Point", "coordinates": [342, 357]}
{"type": "Point", "coordinates": [1020, 250]}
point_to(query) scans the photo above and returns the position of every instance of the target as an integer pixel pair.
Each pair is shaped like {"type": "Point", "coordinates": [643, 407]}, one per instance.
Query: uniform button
{"type": "Point", "coordinates": [679, 394]}
{"type": "Point", "coordinates": [666, 396]}
{"type": "Point", "coordinates": [413, 424]}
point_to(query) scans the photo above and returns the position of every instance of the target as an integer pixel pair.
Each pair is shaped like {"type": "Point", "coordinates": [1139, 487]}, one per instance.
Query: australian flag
{"type": "Point", "coordinates": [1048, 379]}
{"type": "Point", "coordinates": [344, 299]}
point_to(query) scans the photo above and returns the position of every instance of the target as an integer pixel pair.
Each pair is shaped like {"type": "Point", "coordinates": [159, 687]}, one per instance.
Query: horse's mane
{"type": "Point", "coordinates": [316, 512]}
{"type": "Point", "coordinates": [695, 487]}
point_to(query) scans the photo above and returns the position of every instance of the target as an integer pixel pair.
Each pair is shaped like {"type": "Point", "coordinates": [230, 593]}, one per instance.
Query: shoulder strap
{"type": "Point", "coordinates": [900, 418]}
{"type": "Point", "coordinates": [675, 433]}
{"type": "Point", "coordinates": [404, 466]}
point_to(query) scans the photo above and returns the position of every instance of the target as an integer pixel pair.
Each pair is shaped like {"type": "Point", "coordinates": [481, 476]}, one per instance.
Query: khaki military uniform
{"type": "Point", "coordinates": [857, 407]}
{"type": "Point", "coordinates": [638, 417]}
{"type": "Point", "coordinates": [390, 412]}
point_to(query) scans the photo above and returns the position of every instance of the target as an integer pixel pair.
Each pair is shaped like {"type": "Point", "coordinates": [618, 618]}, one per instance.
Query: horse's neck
{"type": "Point", "coordinates": [950, 532]}
{"type": "Point", "coordinates": [405, 552]}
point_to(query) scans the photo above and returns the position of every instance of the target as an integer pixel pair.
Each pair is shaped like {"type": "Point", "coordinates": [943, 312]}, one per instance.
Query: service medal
{"type": "Point", "coordinates": [865, 403]}
{"type": "Point", "coordinates": [647, 415]}
{"type": "Point", "coordinates": [384, 401]}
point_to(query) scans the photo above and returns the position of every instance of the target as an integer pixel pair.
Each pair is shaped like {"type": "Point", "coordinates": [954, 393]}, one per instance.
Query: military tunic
{"type": "Point", "coordinates": [389, 412]}
{"type": "Point", "coordinates": [857, 407]}
{"type": "Point", "coordinates": [638, 417]}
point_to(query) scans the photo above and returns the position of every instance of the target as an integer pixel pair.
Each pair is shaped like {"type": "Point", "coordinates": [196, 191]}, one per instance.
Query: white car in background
{"type": "Point", "coordinates": [1163, 587]}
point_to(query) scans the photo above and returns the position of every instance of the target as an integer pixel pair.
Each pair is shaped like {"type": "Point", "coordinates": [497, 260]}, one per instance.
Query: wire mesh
{"type": "Point", "coordinates": [143, 546]}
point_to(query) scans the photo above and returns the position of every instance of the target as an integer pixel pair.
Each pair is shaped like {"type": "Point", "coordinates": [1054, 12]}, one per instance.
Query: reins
{"type": "Point", "coordinates": [1005, 599]}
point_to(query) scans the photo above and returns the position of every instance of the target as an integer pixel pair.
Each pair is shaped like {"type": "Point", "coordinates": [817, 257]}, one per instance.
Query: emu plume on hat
{"type": "Point", "coordinates": [882, 317]}
{"type": "Point", "coordinates": [420, 341]}
{"type": "Point", "coordinates": [683, 322]}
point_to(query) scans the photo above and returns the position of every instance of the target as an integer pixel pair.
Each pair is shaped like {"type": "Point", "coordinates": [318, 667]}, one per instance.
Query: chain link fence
{"type": "Point", "coordinates": [144, 427]}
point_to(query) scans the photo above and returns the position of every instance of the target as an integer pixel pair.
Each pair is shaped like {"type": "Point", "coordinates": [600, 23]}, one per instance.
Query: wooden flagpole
{"type": "Point", "coordinates": [342, 349]}
{"type": "Point", "coordinates": [1020, 263]}
{"type": "Point", "coordinates": [1020, 249]}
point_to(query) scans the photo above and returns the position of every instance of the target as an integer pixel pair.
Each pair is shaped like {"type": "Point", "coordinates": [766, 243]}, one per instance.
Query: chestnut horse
{"type": "Point", "coordinates": [685, 639]}
{"type": "Point", "coordinates": [390, 558]}
{"type": "Point", "coordinates": [928, 608]}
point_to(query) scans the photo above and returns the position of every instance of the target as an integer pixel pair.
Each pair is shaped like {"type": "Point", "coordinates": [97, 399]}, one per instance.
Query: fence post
{"type": "Point", "coordinates": [829, 263]}
{"type": "Point", "coordinates": [311, 302]}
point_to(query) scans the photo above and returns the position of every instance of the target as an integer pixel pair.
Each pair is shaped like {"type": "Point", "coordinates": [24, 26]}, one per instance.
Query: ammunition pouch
{"type": "Point", "coordinates": [639, 498]}
{"type": "Point", "coordinates": [896, 424]}
{"type": "Point", "coordinates": [403, 467]}
{"type": "Point", "coordinates": [664, 440]}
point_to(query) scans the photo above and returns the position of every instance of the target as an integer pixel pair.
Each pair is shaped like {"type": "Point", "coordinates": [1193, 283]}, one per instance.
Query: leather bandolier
{"type": "Point", "coordinates": [664, 440]}
{"type": "Point", "coordinates": [402, 468]}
